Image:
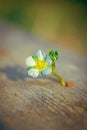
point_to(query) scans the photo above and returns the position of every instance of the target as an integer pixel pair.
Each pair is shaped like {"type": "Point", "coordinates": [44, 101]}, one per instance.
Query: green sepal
{"type": "Point", "coordinates": [41, 72]}
{"type": "Point", "coordinates": [28, 68]}
{"type": "Point", "coordinates": [35, 58]}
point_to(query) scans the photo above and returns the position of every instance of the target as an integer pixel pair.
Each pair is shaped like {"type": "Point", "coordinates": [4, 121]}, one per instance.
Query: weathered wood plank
{"type": "Point", "coordinates": [40, 104]}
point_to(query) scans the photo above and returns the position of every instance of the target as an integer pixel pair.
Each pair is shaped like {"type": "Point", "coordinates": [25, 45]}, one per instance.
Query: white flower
{"type": "Point", "coordinates": [40, 64]}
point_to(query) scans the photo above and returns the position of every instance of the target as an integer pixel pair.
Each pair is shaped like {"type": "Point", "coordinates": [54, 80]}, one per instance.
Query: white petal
{"type": "Point", "coordinates": [33, 72]}
{"type": "Point", "coordinates": [46, 71]}
{"type": "Point", "coordinates": [41, 54]}
{"type": "Point", "coordinates": [48, 60]}
{"type": "Point", "coordinates": [30, 61]}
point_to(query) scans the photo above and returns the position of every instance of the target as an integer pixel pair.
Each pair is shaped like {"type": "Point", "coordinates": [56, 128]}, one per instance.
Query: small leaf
{"type": "Point", "coordinates": [56, 54]}
{"type": "Point", "coordinates": [53, 55]}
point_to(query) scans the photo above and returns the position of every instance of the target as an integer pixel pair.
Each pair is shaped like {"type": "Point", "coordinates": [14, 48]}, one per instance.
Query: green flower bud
{"type": "Point", "coordinates": [53, 55]}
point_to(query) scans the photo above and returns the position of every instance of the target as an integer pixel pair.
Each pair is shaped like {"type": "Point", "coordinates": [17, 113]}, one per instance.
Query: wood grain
{"type": "Point", "coordinates": [42, 103]}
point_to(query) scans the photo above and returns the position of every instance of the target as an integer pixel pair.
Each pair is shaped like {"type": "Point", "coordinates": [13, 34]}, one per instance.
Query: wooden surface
{"type": "Point", "coordinates": [39, 104]}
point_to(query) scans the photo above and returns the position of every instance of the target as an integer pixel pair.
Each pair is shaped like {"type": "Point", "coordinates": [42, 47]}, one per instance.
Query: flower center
{"type": "Point", "coordinates": [40, 64]}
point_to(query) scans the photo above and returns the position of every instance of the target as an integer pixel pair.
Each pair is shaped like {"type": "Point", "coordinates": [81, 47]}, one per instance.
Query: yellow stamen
{"type": "Point", "coordinates": [41, 64]}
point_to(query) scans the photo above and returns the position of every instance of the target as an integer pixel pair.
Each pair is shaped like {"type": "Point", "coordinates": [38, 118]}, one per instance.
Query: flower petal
{"type": "Point", "coordinates": [41, 54]}
{"type": "Point", "coordinates": [30, 61]}
{"type": "Point", "coordinates": [48, 60]}
{"type": "Point", "coordinates": [46, 71]}
{"type": "Point", "coordinates": [33, 72]}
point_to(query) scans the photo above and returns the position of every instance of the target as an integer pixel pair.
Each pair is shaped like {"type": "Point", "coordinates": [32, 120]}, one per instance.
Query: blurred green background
{"type": "Point", "coordinates": [63, 22]}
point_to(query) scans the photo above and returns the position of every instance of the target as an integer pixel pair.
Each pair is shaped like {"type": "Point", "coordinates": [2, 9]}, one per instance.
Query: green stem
{"type": "Point", "coordinates": [61, 80]}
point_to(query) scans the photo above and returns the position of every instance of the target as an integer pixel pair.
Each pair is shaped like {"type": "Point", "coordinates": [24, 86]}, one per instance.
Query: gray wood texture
{"type": "Point", "coordinates": [42, 103]}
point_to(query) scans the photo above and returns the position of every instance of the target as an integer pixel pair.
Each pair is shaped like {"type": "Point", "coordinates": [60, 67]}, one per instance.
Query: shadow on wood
{"type": "Point", "coordinates": [14, 72]}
